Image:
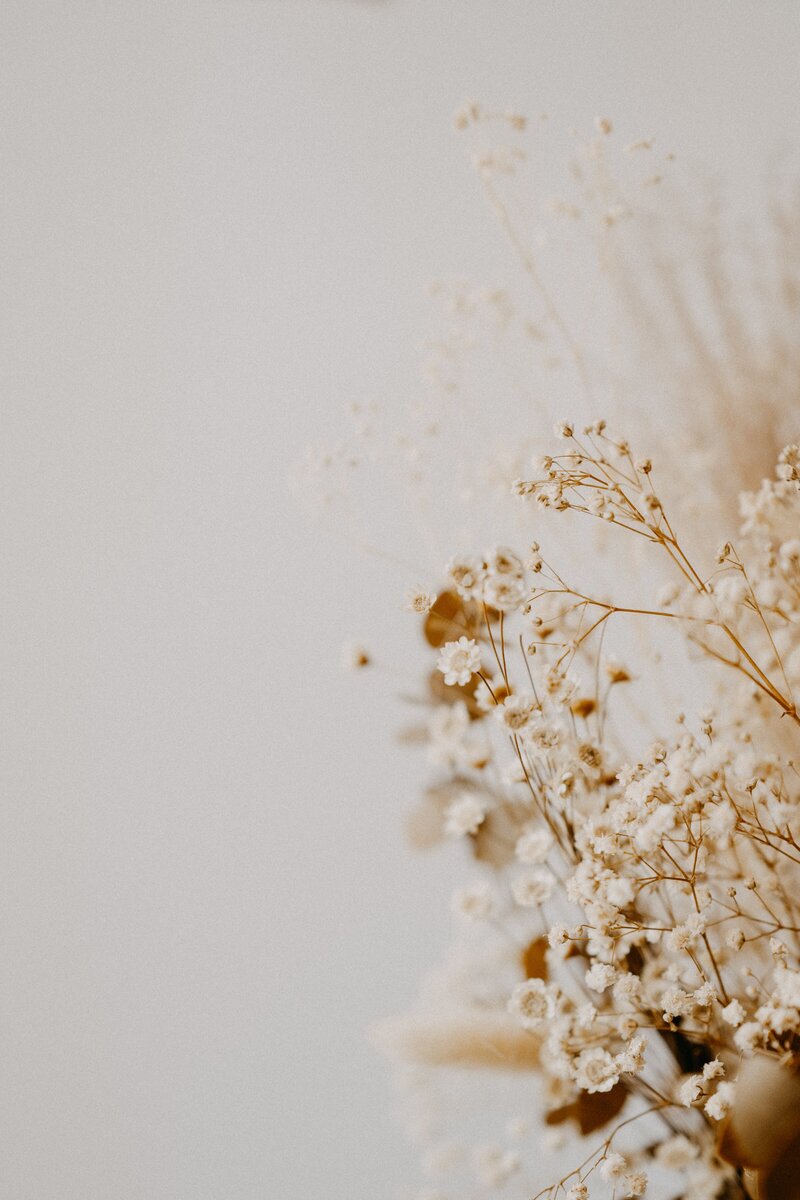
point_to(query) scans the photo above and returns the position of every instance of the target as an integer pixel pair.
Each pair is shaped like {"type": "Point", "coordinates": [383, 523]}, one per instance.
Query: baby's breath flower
{"type": "Point", "coordinates": [558, 936]}
{"type": "Point", "coordinates": [596, 1070]}
{"type": "Point", "coordinates": [704, 996]}
{"type": "Point", "coordinates": [600, 977]}
{"type": "Point", "coordinates": [476, 901]}
{"type": "Point", "coordinates": [464, 815]}
{"type": "Point", "coordinates": [684, 936]}
{"type": "Point", "coordinates": [749, 1037]}
{"type": "Point", "coordinates": [533, 1002]}
{"type": "Point", "coordinates": [718, 1105]}
{"type": "Point", "coordinates": [691, 1090]}
{"type": "Point", "coordinates": [676, 1153]}
{"type": "Point", "coordinates": [668, 855]}
{"type": "Point", "coordinates": [533, 846]}
{"type": "Point", "coordinates": [733, 1013]}
{"type": "Point", "coordinates": [612, 1166]}
{"type": "Point", "coordinates": [494, 1164]}
{"type": "Point", "coordinates": [578, 1191]}
{"type": "Point", "coordinates": [631, 1060]}
{"type": "Point", "coordinates": [635, 1184]}
{"type": "Point", "coordinates": [533, 888]}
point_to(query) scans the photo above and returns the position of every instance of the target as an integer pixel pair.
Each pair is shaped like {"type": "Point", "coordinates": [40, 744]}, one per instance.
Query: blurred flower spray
{"type": "Point", "coordinates": [617, 756]}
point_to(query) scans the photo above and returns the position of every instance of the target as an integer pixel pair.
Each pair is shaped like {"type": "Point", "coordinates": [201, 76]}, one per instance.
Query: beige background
{"type": "Point", "coordinates": [218, 221]}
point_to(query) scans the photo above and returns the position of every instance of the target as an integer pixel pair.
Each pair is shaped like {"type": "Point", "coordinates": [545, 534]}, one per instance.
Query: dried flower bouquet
{"type": "Point", "coordinates": [655, 900]}
{"type": "Point", "coordinates": [627, 954]}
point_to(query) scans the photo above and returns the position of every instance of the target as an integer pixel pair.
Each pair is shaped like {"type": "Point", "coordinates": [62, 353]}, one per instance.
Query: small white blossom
{"type": "Point", "coordinates": [504, 592]}
{"type": "Point", "coordinates": [676, 1153]}
{"type": "Point", "coordinates": [733, 1013]}
{"type": "Point", "coordinates": [534, 888]}
{"type": "Point", "coordinates": [516, 712]}
{"type": "Point", "coordinates": [631, 1060]}
{"type": "Point", "coordinates": [578, 1191]}
{"type": "Point", "coordinates": [467, 574]}
{"type": "Point", "coordinates": [459, 661]}
{"type": "Point", "coordinates": [718, 1105]}
{"type": "Point", "coordinates": [690, 1090]}
{"type": "Point", "coordinates": [494, 1164]}
{"type": "Point", "coordinates": [596, 1070]}
{"type": "Point", "coordinates": [419, 600]}
{"type": "Point", "coordinates": [558, 935]}
{"type": "Point", "coordinates": [464, 815]}
{"type": "Point", "coordinates": [612, 1166]}
{"type": "Point", "coordinates": [787, 987]}
{"type": "Point", "coordinates": [684, 936]}
{"type": "Point", "coordinates": [635, 1184]}
{"type": "Point", "coordinates": [748, 1037]}
{"type": "Point", "coordinates": [600, 977]}
{"type": "Point", "coordinates": [476, 901]}
{"type": "Point", "coordinates": [533, 1002]}
{"type": "Point", "coordinates": [534, 846]}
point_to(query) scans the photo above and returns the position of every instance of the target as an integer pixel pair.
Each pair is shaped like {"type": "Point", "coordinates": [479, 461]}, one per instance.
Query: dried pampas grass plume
{"type": "Point", "coordinates": [458, 1039]}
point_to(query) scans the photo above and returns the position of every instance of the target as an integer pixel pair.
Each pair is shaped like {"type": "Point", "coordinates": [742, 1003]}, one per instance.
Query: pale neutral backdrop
{"type": "Point", "coordinates": [218, 220]}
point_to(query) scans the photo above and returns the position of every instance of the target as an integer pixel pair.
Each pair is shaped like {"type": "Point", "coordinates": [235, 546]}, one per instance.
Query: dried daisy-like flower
{"type": "Point", "coordinates": [418, 600]}
{"type": "Point", "coordinates": [459, 661]}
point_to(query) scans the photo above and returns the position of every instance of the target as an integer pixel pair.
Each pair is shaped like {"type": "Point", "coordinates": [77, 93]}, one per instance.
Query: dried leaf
{"type": "Point", "coordinates": [534, 959]}
{"type": "Point", "coordinates": [497, 837]}
{"type": "Point", "coordinates": [591, 1110]}
{"type": "Point", "coordinates": [445, 693]}
{"type": "Point", "coordinates": [425, 823]}
{"type": "Point", "coordinates": [449, 619]}
{"type": "Point", "coordinates": [634, 962]}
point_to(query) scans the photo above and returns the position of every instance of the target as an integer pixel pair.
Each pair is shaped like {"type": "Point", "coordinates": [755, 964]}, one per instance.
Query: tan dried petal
{"type": "Point", "coordinates": [449, 618]}
{"type": "Point", "coordinates": [765, 1118]}
{"type": "Point", "coordinates": [534, 959]}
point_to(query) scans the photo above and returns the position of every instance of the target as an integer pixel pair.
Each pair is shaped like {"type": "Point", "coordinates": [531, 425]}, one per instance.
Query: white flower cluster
{"type": "Point", "coordinates": [658, 896]}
